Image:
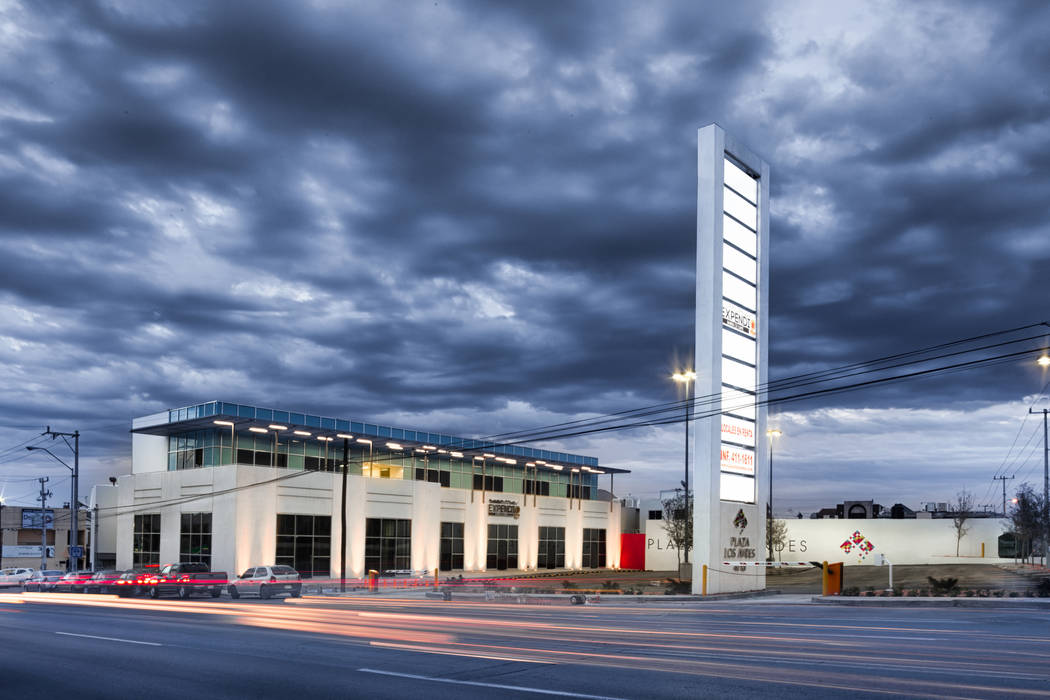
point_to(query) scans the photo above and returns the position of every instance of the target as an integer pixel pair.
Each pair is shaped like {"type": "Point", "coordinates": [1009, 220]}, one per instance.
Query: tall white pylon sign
{"type": "Point", "coordinates": [729, 467]}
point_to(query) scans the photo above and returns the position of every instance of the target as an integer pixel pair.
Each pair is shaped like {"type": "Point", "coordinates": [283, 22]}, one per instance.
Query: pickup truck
{"type": "Point", "coordinates": [184, 579]}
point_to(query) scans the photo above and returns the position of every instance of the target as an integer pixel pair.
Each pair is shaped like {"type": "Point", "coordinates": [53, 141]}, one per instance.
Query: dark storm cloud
{"type": "Point", "coordinates": [437, 209]}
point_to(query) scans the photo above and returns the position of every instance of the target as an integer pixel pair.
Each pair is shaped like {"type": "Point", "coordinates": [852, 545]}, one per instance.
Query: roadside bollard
{"type": "Point", "coordinates": [373, 580]}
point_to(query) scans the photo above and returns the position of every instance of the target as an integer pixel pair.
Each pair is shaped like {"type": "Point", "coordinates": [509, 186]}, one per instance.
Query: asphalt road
{"type": "Point", "coordinates": [54, 645]}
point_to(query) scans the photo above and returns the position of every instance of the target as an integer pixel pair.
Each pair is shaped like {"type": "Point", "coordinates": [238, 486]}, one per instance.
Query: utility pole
{"type": "Point", "coordinates": [44, 493]}
{"type": "Point", "coordinates": [1003, 479]}
{"type": "Point", "coordinates": [74, 504]}
{"type": "Point", "coordinates": [1046, 490]}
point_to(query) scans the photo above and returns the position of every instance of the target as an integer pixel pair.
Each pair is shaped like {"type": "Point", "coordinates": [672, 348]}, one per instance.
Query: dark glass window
{"type": "Point", "coordinates": [502, 547]}
{"type": "Point", "coordinates": [577, 491]}
{"type": "Point", "coordinates": [488, 482]}
{"type": "Point", "coordinates": [195, 538]}
{"type": "Point", "coordinates": [388, 544]}
{"type": "Point", "coordinates": [543, 488]}
{"type": "Point", "coordinates": [145, 549]}
{"type": "Point", "coordinates": [551, 554]}
{"type": "Point", "coordinates": [593, 548]}
{"type": "Point", "coordinates": [304, 542]}
{"type": "Point", "coordinates": [656, 515]}
{"type": "Point", "coordinates": [451, 546]}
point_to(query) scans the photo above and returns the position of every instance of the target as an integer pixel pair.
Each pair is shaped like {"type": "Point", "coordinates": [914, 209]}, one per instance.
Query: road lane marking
{"type": "Point", "coordinates": [110, 639]}
{"type": "Point", "coordinates": [500, 686]}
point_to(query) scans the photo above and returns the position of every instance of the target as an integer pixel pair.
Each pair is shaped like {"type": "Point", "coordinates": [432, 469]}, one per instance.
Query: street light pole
{"type": "Point", "coordinates": [1046, 489]}
{"type": "Point", "coordinates": [769, 506]}
{"type": "Point", "coordinates": [687, 377]}
{"type": "Point", "coordinates": [74, 505]}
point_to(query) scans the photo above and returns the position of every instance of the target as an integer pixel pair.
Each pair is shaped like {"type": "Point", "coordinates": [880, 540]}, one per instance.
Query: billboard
{"type": "Point", "coordinates": [31, 519]}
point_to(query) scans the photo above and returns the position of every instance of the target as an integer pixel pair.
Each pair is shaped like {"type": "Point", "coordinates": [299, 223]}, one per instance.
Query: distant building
{"type": "Point", "coordinates": [20, 533]}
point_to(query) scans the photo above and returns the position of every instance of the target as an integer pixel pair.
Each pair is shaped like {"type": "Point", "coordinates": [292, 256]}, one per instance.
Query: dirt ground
{"type": "Point", "coordinates": [971, 576]}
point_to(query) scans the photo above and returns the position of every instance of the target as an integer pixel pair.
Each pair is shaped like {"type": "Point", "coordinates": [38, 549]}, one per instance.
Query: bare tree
{"type": "Point", "coordinates": [961, 511]}
{"type": "Point", "coordinates": [1026, 516]}
{"type": "Point", "coordinates": [678, 523]}
{"type": "Point", "coordinates": [776, 536]}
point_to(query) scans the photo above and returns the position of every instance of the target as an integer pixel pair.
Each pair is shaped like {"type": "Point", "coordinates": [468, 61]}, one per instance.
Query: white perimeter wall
{"type": "Point", "coordinates": [244, 521]}
{"type": "Point", "coordinates": [918, 541]}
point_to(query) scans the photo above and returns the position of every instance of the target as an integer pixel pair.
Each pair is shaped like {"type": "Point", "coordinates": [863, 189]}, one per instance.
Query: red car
{"type": "Point", "coordinates": [73, 582]}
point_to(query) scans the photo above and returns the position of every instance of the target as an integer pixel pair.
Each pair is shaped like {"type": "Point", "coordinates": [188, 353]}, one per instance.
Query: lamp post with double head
{"type": "Point", "coordinates": [687, 378]}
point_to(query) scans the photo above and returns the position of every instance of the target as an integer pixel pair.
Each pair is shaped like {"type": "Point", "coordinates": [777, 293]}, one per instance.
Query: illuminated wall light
{"type": "Point", "coordinates": [429, 447]}
{"type": "Point", "coordinates": [540, 461]}
{"type": "Point", "coordinates": [322, 437]}
{"type": "Point", "coordinates": [227, 423]}
{"type": "Point", "coordinates": [258, 430]}
{"type": "Point", "coordinates": [575, 471]}
{"type": "Point", "coordinates": [394, 446]}
{"type": "Point", "coordinates": [278, 427]}
{"type": "Point", "coordinates": [363, 441]}
{"type": "Point", "coordinates": [458, 455]}
{"type": "Point", "coordinates": [344, 436]}
{"type": "Point", "coordinates": [303, 433]}
{"type": "Point", "coordinates": [530, 464]}
{"type": "Point", "coordinates": [555, 467]}
{"type": "Point", "coordinates": [486, 454]}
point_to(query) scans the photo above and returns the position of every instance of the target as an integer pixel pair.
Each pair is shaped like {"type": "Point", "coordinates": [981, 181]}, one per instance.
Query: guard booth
{"type": "Point", "coordinates": [1011, 546]}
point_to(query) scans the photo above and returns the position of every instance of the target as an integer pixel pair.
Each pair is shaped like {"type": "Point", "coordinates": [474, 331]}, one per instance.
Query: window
{"type": "Point", "coordinates": [489, 482]}
{"type": "Point", "coordinates": [304, 542]}
{"type": "Point", "coordinates": [552, 548]}
{"type": "Point", "coordinates": [388, 544]}
{"type": "Point", "coordinates": [195, 538]}
{"type": "Point", "coordinates": [503, 547]}
{"type": "Point", "coordinates": [543, 488]}
{"type": "Point", "coordinates": [593, 548]}
{"type": "Point", "coordinates": [451, 546]}
{"type": "Point", "coordinates": [145, 548]}
{"type": "Point", "coordinates": [656, 515]}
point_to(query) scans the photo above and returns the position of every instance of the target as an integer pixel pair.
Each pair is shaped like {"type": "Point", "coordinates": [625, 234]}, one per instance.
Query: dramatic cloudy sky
{"type": "Point", "coordinates": [480, 217]}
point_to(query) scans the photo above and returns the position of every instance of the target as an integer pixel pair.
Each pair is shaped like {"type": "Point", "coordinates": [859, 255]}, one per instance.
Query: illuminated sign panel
{"type": "Point", "coordinates": [739, 319]}
{"type": "Point", "coordinates": [738, 460]}
{"type": "Point", "coordinates": [738, 431]}
{"type": "Point", "coordinates": [739, 370]}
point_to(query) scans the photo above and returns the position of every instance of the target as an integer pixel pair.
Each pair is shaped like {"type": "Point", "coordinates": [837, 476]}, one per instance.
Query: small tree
{"type": "Point", "coordinates": [961, 510]}
{"type": "Point", "coordinates": [1027, 519]}
{"type": "Point", "coordinates": [776, 536]}
{"type": "Point", "coordinates": [678, 523]}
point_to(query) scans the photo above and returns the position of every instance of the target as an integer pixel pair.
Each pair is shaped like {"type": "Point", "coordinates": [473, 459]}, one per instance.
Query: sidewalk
{"type": "Point", "coordinates": [939, 602]}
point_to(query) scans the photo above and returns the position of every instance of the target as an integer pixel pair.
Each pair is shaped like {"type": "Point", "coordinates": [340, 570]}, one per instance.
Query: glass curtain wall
{"type": "Point", "coordinates": [304, 542]}
{"type": "Point", "coordinates": [145, 548]}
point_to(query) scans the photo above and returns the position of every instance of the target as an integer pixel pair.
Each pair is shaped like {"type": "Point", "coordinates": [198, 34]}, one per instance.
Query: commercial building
{"type": "Point", "coordinates": [236, 486]}
{"type": "Point", "coordinates": [23, 532]}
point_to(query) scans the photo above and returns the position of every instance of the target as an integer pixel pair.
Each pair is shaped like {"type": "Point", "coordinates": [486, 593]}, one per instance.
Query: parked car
{"type": "Point", "coordinates": [131, 583]}
{"type": "Point", "coordinates": [42, 580]}
{"type": "Point", "coordinates": [73, 582]}
{"type": "Point", "coordinates": [15, 576]}
{"type": "Point", "coordinates": [267, 581]}
{"type": "Point", "coordinates": [103, 582]}
{"type": "Point", "coordinates": [185, 579]}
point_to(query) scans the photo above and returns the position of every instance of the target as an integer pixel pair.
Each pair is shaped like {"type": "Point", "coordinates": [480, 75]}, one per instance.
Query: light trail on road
{"type": "Point", "coordinates": [916, 657]}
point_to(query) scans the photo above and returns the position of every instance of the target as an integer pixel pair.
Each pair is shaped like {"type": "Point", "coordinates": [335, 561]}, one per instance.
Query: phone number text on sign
{"type": "Point", "coordinates": [737, 460]}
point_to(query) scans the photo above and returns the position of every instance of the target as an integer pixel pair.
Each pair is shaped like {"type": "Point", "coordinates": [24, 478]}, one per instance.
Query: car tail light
{"type": "Point", "coordinates": [273, 579]}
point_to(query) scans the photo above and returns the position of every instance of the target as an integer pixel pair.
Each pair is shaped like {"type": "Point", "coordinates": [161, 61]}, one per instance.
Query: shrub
{"type": "Point", "coordinates": [852, 590]}
{"type": "Point", "coordinates": [673, 586]}
{"type": "Point", "coordinates": [610, 586]}
{"type": "Point", "coordinates": [568, 584]}
{"type": "Point", "coordinates": [942, 586]}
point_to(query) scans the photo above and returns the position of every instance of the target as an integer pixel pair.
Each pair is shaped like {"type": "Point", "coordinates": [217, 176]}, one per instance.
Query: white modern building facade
{"type": "Point", "coordinates": [237, 486]}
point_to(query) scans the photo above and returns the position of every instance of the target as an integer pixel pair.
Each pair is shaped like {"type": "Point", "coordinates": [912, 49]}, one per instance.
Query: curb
{"type": "Point", "coordinates": [900, 602]}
